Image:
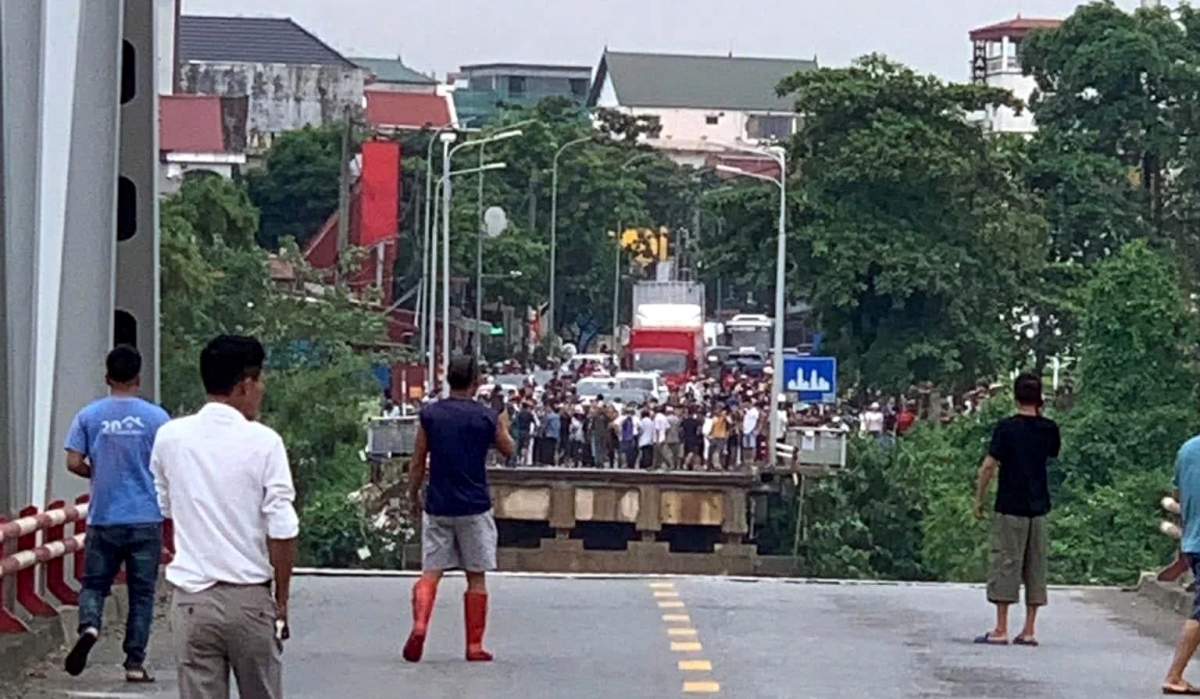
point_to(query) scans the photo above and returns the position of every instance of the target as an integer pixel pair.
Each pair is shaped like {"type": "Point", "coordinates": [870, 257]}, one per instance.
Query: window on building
{"type": "Point", "coordinates": [766, 127]}
{"type": "Point", "coordinates": [712, 119]}
{"type": "Point", "coordinates": [516, 85]}
{"type": "Point", "coordinates": [579, 86]}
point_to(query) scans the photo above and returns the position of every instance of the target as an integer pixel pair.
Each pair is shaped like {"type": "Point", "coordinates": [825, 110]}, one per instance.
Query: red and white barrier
{"type": "Point", "coordinates": [36, 539]}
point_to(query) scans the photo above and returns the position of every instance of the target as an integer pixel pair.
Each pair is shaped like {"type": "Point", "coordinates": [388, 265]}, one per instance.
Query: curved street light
{"type": "Point", "coordinates": [779, 155]}
{"type": "Point", "coordinates": [617, 255]}
{"type": "Point", "coordinates": [554, 221]}
{"type": "Point", "coordinates": [448, 156]}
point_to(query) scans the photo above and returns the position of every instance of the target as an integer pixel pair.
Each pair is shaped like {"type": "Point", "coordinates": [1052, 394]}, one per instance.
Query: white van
{"type": "Point", "coordinates": [644, 381]}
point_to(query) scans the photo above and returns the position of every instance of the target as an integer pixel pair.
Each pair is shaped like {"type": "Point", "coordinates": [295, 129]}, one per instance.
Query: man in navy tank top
{"type": "Point", "coordinates": [457, 527]}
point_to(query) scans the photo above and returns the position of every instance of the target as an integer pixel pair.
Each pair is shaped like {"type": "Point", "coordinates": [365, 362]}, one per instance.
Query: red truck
{"type": "Point", "coordinates": [667, 338]}
{"type": "Point", "coordinates": [676, 353]}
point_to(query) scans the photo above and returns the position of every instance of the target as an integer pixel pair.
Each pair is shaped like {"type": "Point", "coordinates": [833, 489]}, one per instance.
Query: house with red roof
{"type": "Point", "coordinates": [996, 62]}
{"type": "Point", "coordinates": [199, 133]}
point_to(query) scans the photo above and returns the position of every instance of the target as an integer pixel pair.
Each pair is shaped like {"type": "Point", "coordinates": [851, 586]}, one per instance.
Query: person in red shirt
{"type": "Point", "coordinates": [905, 419]}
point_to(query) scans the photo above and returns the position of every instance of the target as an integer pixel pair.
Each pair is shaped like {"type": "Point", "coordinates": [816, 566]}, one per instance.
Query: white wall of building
{"type": "Point", "coordinates": [1004, 71]}
{"type": "Point", "coordinates": [165, 30]}
{"type": "Point", "coordinates": [693, 133]}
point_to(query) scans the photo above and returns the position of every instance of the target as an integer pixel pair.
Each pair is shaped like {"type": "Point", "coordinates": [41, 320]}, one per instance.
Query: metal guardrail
{"type": "Point", "coordinates": [813, 446]}
{"type": "Point", "coordinates": [35, 538]}
{"type": "Point", "coordinates": [1170, 527]}
{"type": "Point", "coordinates": [391, 436]}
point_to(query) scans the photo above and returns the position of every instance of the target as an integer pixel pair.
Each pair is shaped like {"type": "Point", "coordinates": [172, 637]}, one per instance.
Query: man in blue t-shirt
{"type": "Point", "coordinates": [457, 528]}
{"type": "Point", "coordinates": [1187, 493]}
{"type": "Point", "coordinates": [110, 443]}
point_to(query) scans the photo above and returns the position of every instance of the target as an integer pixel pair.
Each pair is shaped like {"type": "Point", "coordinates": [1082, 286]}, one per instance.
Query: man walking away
{"type": "Point", "coordinates": [1187, 493]}
{"type": "Point", "coordinates": [457, 527]}
{"type": "Point", "coordinates": [1022, 447]}
{"type": "Point", "coordinates": [646, 438]}
{"type": "Point", "coordinates": [224, 479]}
{"type": "Point", "coordinates": [110, 443]}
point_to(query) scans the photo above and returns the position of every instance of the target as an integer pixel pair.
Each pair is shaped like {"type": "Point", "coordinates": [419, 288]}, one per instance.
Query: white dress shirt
{"type": "Point", "coordinates": [226, 483]}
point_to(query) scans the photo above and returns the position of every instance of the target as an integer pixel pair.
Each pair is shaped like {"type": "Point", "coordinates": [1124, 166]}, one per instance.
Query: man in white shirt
{"type": "Point", "coordinates": [645, 437]}
{"type": "Point", "coordinates": [749, 432]}
{"type": "Point", "coordinates": [661, 425]}
{"type": "Point", "coordinates": [224, 480]}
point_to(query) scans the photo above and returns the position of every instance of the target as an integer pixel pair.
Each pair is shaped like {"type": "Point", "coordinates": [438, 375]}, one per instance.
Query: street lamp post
{"type": "Point", "coordinates": [780, 157]}
{"type": "Point", "coordinates": [554, 221]}
{"type": "Point", "coordinates": [479, 244]}
{"type": "Point", "coordinates": [425, 299]}
{"type": "Point", "coordinates": [617, 254]}
{"type": "Point", "coordinates": [447, 156]}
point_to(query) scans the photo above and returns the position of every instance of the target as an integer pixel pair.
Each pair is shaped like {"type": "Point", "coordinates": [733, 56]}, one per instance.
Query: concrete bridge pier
{"type": "Point", "coordinates": [679, 522]}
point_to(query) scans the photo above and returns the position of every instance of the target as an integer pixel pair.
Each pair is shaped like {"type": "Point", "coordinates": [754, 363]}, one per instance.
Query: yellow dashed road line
{"type": "Point", "coordinates": [679, 627]}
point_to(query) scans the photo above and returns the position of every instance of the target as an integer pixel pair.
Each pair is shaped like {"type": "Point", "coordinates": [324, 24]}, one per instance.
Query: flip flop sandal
{"type": "Point", "coordinates": [987, 640]}
{"type": "Point", "coordinates": [1188, 689]}
{"type": "Point", "coordinates": [138, 676]}
{"type": "Point", "coordinates": [1018, 641]}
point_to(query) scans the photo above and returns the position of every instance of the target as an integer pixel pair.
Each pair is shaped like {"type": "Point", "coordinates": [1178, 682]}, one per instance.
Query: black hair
{"type": "Point", "coordinates": [227, 360]}
{"type": "Point", "coordinates": [123, 364]}
{"type": "Point", "coordinates": [1027, 390]}
{"type": "Point", "coordinates": [462, 372]}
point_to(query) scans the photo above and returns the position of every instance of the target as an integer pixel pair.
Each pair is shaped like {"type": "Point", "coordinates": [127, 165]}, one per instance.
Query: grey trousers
{"type": "Point", "coordinates": [227, 628]}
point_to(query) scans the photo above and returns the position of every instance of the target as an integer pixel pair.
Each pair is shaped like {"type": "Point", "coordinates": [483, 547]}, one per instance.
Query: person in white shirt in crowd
{"type": "Point", "coordinates": [749, 431]}
{"type": "Point", "coordinates": [225, 481]}
{"type": "Point", "coordinates": [645, 441]}
{"type": "Point", "coordinates": [872, 421]}
{"type": "Point", "coordinates": [661, 425]}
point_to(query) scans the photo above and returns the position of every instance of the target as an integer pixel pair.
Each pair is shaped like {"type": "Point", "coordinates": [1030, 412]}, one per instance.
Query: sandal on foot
{"type": "Point", "coordinates": [1022, 641]}
{"type": "Point", "coordinates": [987, 640]}
{"type": "Point", "coordinates": [1188, 689]}
{"type": "Point", "coordinates": [138, 675]}
{"type": "Point", "coordinates": [77, 659]}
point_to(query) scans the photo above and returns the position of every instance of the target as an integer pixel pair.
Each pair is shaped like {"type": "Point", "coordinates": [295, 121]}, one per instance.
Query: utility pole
{"type": "Point", "coordinates": [343, 233]}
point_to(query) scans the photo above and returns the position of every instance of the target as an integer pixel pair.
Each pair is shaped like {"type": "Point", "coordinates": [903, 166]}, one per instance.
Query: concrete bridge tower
{"type": "Point", "coordinates": [79, 233]}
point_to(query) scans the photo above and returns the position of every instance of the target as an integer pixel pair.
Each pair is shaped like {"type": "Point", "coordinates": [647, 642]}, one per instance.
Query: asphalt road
{"type": "Point", "coordinates": [648, 639]}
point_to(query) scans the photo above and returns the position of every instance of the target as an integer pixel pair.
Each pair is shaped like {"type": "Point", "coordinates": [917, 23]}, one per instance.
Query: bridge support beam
{"type": "Point", "coordinates": [79, 110]}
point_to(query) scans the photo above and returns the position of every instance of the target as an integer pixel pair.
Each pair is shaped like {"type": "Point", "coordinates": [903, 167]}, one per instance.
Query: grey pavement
{"type": "Point", "coordinates": [602, 638]}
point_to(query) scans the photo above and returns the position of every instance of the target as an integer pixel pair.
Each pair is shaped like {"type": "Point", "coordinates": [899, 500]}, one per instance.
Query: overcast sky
{"type": "Point", "coordinates": [438, 36]}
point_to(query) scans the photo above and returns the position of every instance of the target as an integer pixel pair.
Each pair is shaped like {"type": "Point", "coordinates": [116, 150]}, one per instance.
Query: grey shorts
{"type": "Point", "coordinates": [1018, 559]}
{"type": "Point", "coordinates": [463, 543]}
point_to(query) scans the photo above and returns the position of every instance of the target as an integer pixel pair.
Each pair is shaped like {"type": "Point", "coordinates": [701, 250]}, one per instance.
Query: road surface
{"type": "Point", "coordinates": [652, 638]}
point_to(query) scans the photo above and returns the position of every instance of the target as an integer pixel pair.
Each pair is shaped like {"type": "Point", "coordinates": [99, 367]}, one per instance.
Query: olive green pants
{"type": "Point", "coordinates": [1018, 558]}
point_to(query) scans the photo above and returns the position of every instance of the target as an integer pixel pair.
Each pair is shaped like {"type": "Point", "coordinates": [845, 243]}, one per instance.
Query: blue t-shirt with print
{"type": "Point", "coordinates": [1187, 482]}
{"type": "Point", "coordinates": [116, 435]}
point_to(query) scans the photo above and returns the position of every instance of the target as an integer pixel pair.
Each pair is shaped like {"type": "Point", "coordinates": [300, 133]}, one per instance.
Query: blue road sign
{"type": "Point", "coordinates": [813, 378]}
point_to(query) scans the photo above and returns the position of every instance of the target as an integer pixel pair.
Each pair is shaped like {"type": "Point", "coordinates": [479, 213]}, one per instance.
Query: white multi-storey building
{"type": "Point", "coordinates": [701, 102]}
{"type": "Point", "coordinates": [995, 62]}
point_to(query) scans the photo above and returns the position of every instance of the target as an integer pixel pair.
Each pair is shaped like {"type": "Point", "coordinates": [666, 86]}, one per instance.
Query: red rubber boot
{"type": "Point", "coordinates": [423, 595]}
{"type": "Point", "coordinates": [475, 609]}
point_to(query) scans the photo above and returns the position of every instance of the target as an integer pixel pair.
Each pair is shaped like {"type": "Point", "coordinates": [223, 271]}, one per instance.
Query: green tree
{"type": "Point", "coordinates": [216, 280]}
{"type": "Point", "coordinates": [296, 190]}
{"type": "Point", "coordinates": [911, 237]}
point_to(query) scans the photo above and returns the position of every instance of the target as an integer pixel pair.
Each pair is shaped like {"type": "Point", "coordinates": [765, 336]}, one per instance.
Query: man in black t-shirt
{"type": "Point", "coordinates": [1022, 447]}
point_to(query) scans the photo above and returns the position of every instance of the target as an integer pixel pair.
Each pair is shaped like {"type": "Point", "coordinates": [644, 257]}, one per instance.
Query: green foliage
{"type": "Point", "coordinates": [296, 190]}
{"type": "Point", "coordinates": [216, 280]}
{"type": "Point", "coordinates": [910, 238]}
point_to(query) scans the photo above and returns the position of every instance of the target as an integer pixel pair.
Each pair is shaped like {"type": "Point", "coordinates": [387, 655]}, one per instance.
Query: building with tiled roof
{"type": "Point", "coordinates": [290, 77]}
{"type": "Point", "coordinates": [199, 133]}
{"type": "Point", "coordinates": [701, 102]}
{"type": "Point", "coordinates": [996, 62]}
